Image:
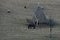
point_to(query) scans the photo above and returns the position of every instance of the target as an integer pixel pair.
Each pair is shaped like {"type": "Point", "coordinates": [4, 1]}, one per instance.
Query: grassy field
{"type": "Point", "coordinates": [12, 25]}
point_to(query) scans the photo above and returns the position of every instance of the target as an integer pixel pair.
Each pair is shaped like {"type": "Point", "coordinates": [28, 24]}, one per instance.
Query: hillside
{"type": "Point", "coordinates": [12, 25]}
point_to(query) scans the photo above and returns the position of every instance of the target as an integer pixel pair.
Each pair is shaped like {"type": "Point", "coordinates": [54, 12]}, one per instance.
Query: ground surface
{"type": "Point", "coordinates": [12, 25]}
